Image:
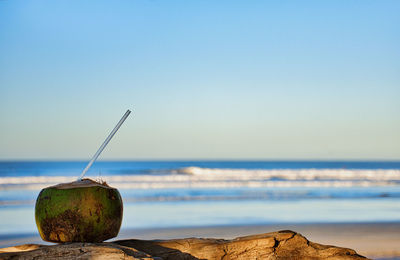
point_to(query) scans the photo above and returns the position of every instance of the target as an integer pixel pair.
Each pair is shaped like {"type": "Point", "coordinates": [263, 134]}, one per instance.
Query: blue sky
{"type": "Point", "coordinates": [206, 79]}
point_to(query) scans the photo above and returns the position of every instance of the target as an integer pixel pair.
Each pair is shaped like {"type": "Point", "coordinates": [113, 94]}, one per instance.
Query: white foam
{"type": "Point", "coordinates": [226, 178]}
{"type": "Point", "coordinates": [296, 174]}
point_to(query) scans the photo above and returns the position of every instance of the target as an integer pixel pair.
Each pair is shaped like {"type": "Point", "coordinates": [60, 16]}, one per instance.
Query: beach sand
{"type": "Point", "coordinates": [374, 240]}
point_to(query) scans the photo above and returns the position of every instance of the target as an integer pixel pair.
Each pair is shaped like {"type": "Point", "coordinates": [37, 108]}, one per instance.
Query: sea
{"type": "Point", "coordinates": [169, 194]}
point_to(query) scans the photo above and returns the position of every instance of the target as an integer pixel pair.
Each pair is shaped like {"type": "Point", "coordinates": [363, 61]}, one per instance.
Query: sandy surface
{"type": "Point", "coordinates": [374, 240]}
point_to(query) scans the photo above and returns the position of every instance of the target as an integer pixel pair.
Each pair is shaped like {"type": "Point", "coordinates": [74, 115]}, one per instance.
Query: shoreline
{"type": "Point", "coordinates": [374, 240]}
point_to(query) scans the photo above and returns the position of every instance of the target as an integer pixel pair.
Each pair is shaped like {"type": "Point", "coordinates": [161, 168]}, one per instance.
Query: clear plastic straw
{"type": "Point", "coordinates": [121, 121]}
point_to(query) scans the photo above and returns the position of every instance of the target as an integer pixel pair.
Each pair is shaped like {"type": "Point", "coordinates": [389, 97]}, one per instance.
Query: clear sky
{"type": "Point", "coordinates": [206, 79]}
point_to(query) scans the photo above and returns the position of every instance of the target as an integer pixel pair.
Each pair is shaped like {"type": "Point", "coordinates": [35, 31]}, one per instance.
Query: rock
{"type": "Point", "coordinates": [276, 245]}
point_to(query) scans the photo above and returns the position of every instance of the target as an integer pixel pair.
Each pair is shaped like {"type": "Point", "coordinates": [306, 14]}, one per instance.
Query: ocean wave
{"type": "Point", "coordinates": [296, 174]}
{"type": "Point", "coordinates": [225, 178]}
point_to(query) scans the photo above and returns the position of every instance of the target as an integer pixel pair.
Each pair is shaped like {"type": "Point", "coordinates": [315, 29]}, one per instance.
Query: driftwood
{"type": "Point", "coordinates": [284, 244]}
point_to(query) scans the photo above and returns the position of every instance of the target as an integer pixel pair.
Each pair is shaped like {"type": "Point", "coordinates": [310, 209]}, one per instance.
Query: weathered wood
{"type": "Point", "coordinates": [275, 246]}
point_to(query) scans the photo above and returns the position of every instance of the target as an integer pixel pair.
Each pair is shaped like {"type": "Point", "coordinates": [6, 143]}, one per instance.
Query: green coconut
{"type": "Point", "coordinates": [80, 211]}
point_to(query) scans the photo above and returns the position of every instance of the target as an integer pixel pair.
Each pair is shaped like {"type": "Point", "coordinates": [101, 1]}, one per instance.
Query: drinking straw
{"type": "Point", "coordinates": [121, 121]}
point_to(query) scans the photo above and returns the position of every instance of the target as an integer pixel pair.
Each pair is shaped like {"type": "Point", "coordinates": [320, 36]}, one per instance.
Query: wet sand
{"type": "Point", "coordinates": [374, 240]}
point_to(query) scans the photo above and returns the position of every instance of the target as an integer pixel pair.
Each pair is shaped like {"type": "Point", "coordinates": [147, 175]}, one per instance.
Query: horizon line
{"type": "Point", "coordinates": [205, 160]}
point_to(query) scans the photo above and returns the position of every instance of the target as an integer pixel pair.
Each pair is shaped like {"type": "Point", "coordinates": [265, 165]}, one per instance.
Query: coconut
{"type": "Point", "coordinates": [80, 211]}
